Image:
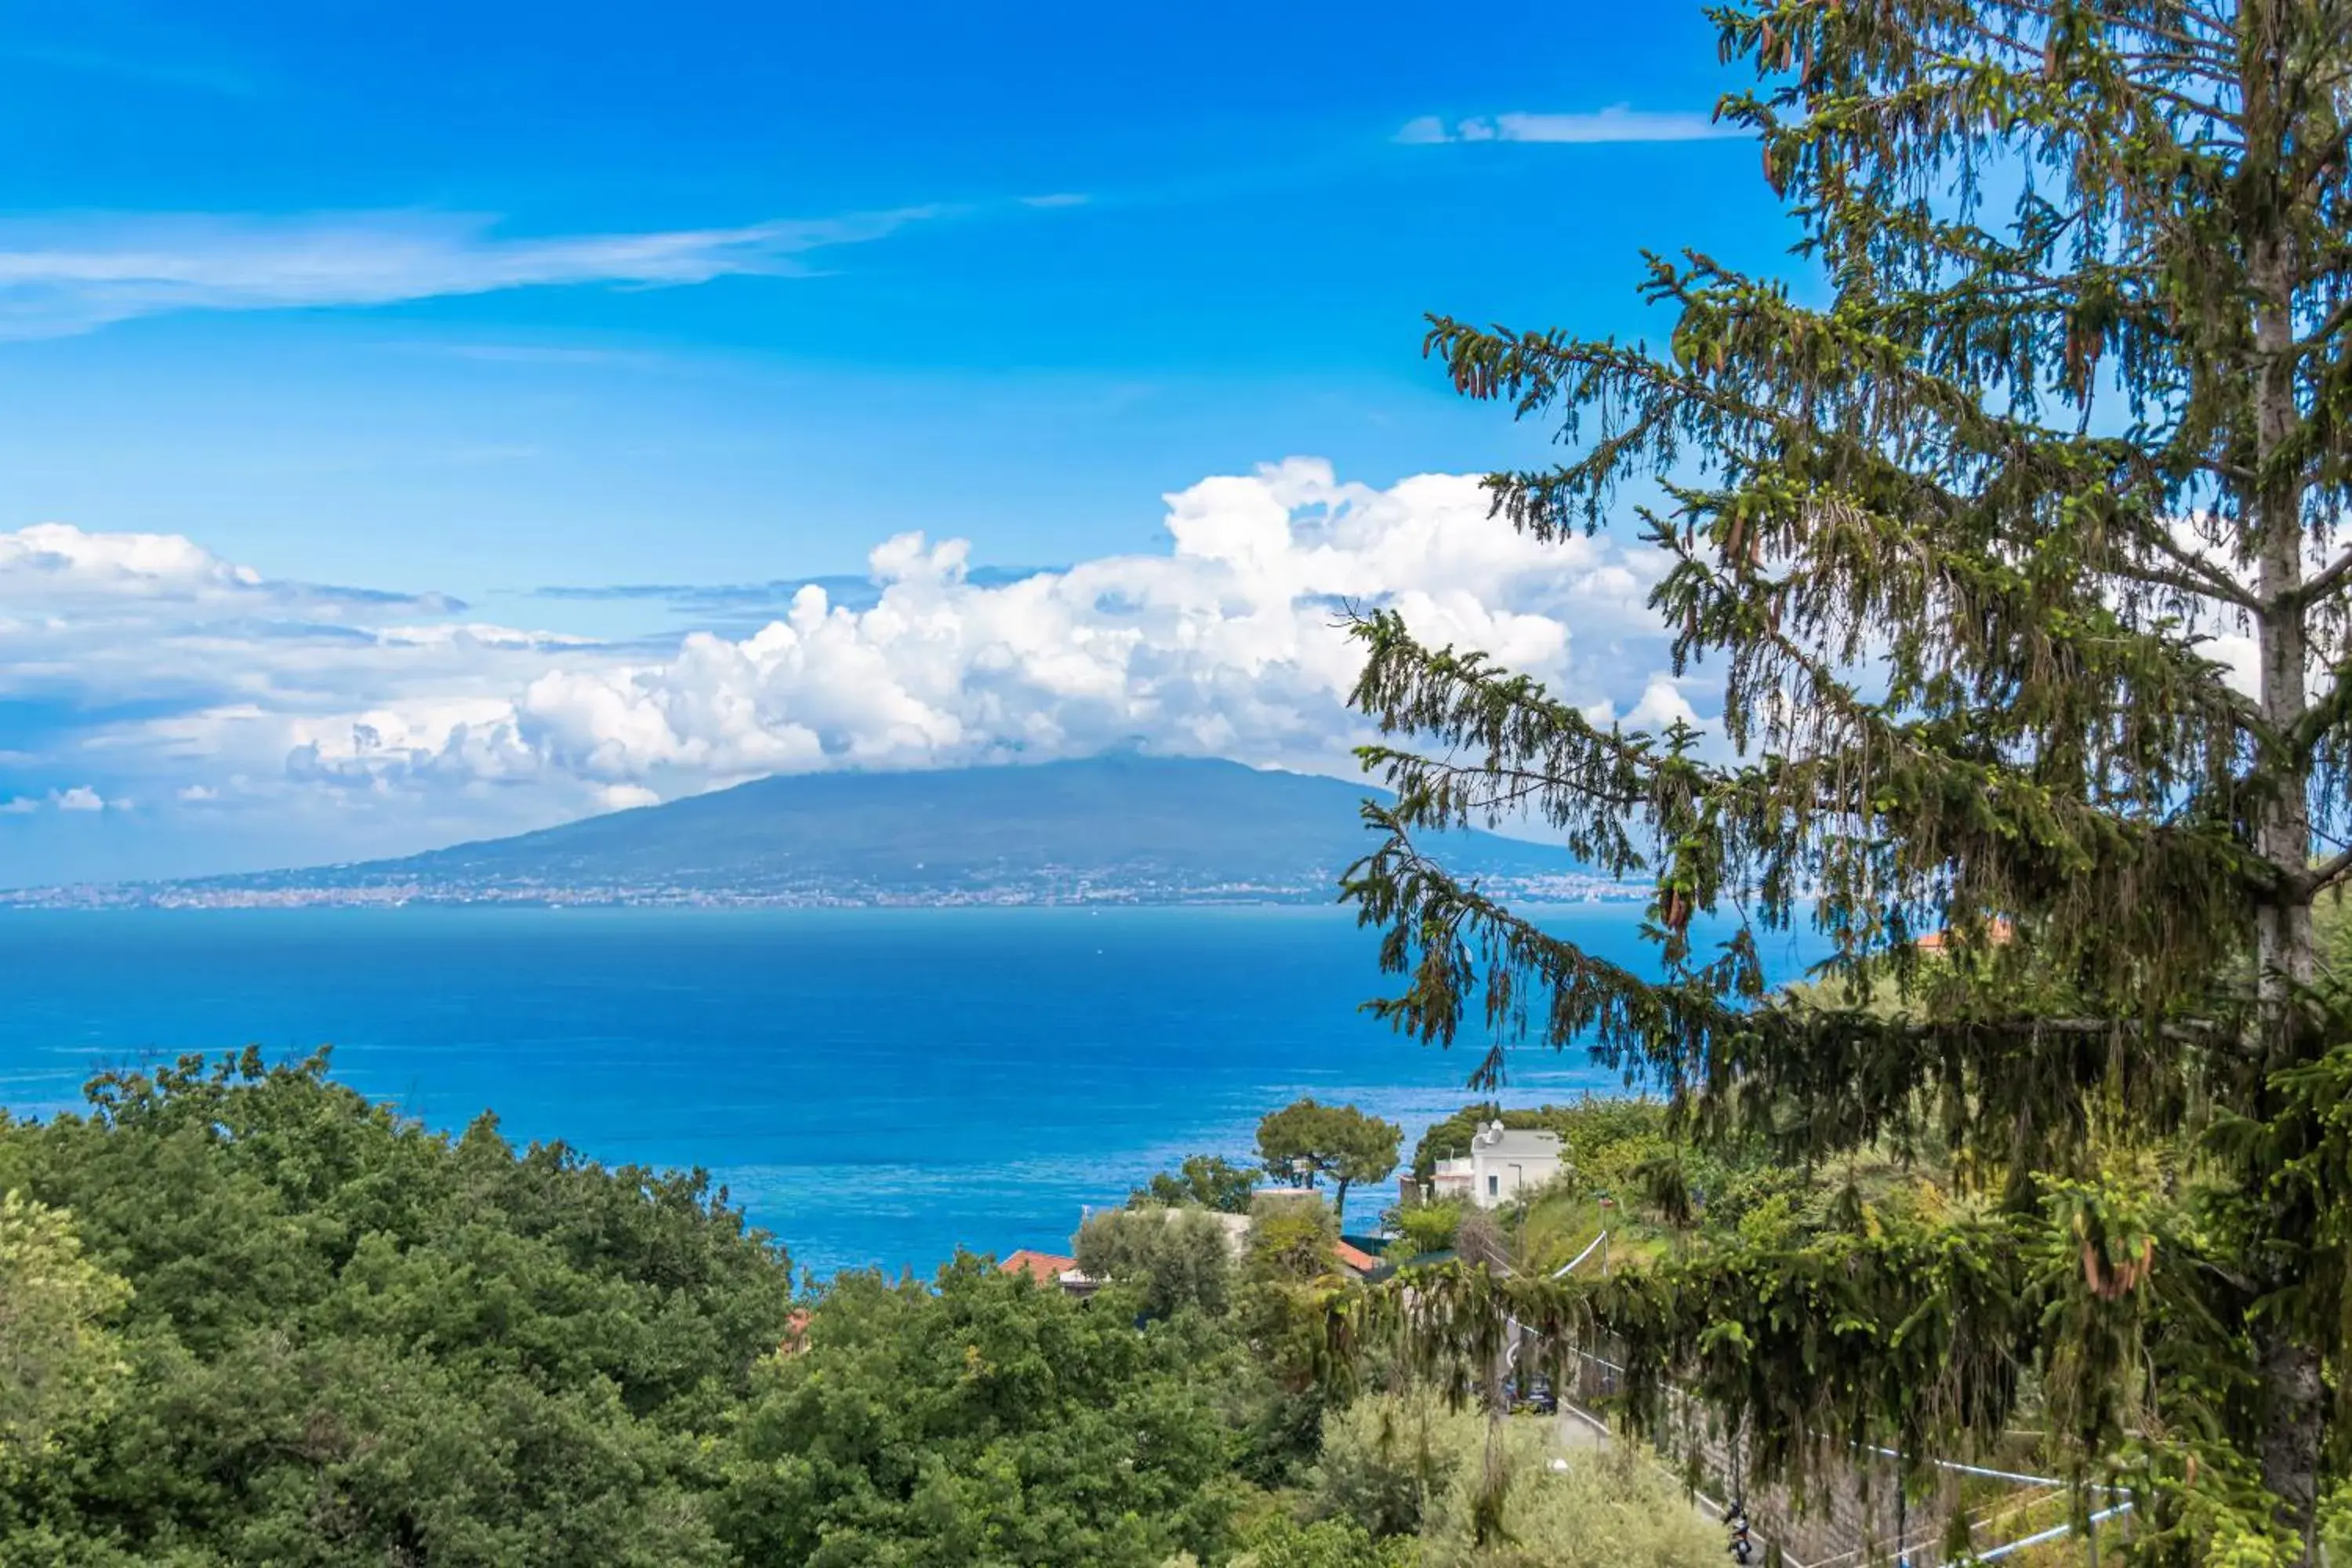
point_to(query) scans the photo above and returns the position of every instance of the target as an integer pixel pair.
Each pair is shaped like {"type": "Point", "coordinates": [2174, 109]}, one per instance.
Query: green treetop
{"type": "Point", "coordinates": [1173, 1258]}
{"type": "Point", "coordinates": [1209, 1180]}
{"type": "Point", "coordinates": [1335, 1140]}
{"type": "Point", "coordinates": [57, 1360]}
{"type": "Point", "coordinates": [2021, 559]}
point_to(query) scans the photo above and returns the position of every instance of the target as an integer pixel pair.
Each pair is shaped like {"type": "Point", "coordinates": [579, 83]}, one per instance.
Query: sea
{"type": "Point", "coordinates": [876, 1088]}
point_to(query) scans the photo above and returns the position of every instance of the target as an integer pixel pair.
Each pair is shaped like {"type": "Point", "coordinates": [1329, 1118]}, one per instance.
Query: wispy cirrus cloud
{"type": "Point", "coordinates": [66, 275]}
{"type": "Point", "coordinates": [1619, 122]}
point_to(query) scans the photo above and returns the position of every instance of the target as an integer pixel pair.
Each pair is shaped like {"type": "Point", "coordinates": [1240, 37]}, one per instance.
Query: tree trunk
{"type": "Point", "coordinates": [1339, 1204]}
{"type": "Point", "coordinates": [2294, 1427]}
{"type": "Point", "coordinates": [2274, 520]}
{"type": "Point", "coordinates": [2285, 949]}
{"type": "Point", "coordinates": [2293, 1418]}
{"type": "Point", "coordinates": [2283, 944]}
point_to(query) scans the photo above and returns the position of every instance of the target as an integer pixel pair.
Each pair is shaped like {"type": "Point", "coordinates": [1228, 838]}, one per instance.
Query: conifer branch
{"type": "Point", "coordinates": [2330, 871]}
{"type": "Point", "coordinates": [2319, 586]}
{"type": "Point", "coordinates": [1967, 679]}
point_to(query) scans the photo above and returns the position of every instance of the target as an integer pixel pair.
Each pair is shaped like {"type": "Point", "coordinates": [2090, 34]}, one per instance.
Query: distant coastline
{"type": "Point", "coordinates": [284, 893]}
{"type": "Point", "coordinates": [1117, 830]}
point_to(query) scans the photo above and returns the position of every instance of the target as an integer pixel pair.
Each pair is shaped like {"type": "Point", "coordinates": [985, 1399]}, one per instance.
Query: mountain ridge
{"type": "Point", "coordinates": [1118, 827]}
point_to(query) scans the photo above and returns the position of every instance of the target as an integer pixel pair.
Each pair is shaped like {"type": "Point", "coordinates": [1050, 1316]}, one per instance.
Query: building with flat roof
{"type": "Point", "coordinates": [1504, 1164]}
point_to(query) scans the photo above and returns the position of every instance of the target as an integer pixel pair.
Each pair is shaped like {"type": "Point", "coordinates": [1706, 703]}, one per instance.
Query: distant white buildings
{"type": "Point", "coordinates": [1503, 1164]}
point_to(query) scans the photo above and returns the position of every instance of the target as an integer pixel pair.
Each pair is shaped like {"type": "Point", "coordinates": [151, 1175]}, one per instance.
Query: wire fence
{"type": "Point", "coordinates": [1597, 1380]}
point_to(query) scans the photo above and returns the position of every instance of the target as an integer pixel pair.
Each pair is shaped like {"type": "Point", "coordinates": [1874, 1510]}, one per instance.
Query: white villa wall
{"type": "Point", "coordinates": [1503, 1164]}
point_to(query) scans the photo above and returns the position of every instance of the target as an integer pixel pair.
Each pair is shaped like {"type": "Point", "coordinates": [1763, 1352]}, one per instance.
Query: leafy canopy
{"type": "Point", "coordinates": [1173, 1258]}
{"type": "Point", "coordinates": [2020, 557]}
{"type": "Point", "coordinates": [349, 1341]}
{"type": "Point", "coordinates": [249, 1317]}
{"type": "Point", "coordinates": [1209, 1180]}
{"type": "Point", "coordinates": [58, 1358]}
{"type": "Point", "coordinates": [1335, 1140]}
{"type": "Point", "coordinates": [988, 1420]}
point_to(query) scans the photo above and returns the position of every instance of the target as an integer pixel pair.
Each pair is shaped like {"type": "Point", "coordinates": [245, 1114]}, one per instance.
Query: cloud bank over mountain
{"type": "Point", "coordinates": [188, 690]}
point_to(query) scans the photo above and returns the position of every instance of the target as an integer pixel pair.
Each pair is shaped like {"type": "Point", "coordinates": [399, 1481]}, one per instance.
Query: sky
{"type": "Point", "coordinates": [421, 422]}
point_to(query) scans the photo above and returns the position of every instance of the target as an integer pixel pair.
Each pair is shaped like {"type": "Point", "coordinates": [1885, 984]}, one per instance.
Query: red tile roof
{"type": "Point", "coordinates": [1999, 934]}
{"type": "Point", "coordinates": [1355, 1258]}
{"type": "Point", "coordinates": [1046, 1267]}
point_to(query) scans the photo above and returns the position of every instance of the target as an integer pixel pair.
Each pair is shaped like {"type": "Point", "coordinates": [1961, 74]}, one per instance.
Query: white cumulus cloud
{"type": "Point", "coordinates": [179, 677]}
{"type": "Point", "coordinates": [78, 798]}
{"type": "Point", "coordinates": [1230, 643]}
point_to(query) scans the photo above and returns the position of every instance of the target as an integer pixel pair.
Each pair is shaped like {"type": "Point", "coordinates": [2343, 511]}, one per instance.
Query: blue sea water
{"type": "Point", "coordinates": [875, 1087]}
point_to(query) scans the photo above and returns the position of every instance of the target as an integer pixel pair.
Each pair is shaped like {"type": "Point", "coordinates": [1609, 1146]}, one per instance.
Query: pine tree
{"type": "Point", "coordinates": [2022, 563]}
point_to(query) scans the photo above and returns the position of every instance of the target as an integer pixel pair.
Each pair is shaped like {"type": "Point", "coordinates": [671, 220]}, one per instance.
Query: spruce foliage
{"type": "Point", "coordinates": [2021, 559]}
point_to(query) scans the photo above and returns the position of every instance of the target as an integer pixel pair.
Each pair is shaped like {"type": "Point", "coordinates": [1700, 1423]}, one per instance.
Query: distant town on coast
{"type": "Point", "coordinates": [1120, 829]}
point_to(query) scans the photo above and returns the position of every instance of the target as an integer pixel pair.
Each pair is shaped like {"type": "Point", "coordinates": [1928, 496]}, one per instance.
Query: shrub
{"type": "Point", "coordinates": [1387, 1459]}
{"type": "Point", "coordinates": [1479, 1494]}
{"type": "Point", "coordinates": [1173, 1258]}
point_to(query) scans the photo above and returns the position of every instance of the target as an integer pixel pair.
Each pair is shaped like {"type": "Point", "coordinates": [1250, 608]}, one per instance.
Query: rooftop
{"type": "Point", "coordinates": [1497, 1141]}
{"type": "Point", "coordinates": [1999, 934]}
{"type": "Point", "coordinates": [1046, 1267]}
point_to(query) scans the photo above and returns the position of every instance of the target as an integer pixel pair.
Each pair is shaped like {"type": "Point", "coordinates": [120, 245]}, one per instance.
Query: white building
{"type": "Point", "coordinates": [1503, 1164]}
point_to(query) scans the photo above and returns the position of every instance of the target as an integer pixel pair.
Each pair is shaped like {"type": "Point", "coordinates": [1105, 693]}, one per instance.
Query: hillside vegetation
{"type": "Point", "coordinates": [247, 1317]}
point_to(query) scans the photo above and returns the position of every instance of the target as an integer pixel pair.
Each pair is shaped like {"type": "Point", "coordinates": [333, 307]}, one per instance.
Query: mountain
{"type": "Point", "coordinates": [1119, 829]}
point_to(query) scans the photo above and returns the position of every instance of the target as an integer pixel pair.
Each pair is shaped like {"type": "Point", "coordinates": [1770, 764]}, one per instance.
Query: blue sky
{"type": "Point", "coordinates": [471, 301]}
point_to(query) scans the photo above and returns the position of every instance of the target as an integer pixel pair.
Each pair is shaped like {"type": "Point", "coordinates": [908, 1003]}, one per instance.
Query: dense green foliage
{"type": "Point", "coordinates": [58, 1358]}
{"type": "Point", "coordinates": [1282, 1542]}
{"type": "Point", "coordinates": [350, 1341]}
{"type": "Point", "coordinates": [1335, 1140]}
{"type": "Point", "coordinates": [248, 1318]}
{"type": "Point", "coordinates": [1173, 1258]}
{"type": "Point", "coordinates": [989, 1421]}
{"type": "Point", "coordinates": [1962, 540]}
{"type": "Point", "coordinates": [1207, 1181]}
{"type": "Point", "coordinates": [1425, 1227]}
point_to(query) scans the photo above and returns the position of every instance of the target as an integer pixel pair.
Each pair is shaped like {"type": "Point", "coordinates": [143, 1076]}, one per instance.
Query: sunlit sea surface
{"type": "Point", "coordinates": [875, 1087]}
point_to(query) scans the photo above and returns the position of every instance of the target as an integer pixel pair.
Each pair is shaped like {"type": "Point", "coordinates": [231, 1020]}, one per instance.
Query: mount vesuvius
{"type": "Point", "coordinates": [1123, 827]}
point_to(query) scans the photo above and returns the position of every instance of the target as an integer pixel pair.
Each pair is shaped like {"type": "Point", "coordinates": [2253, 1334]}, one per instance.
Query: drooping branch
{"type": "Point", "coordinates": [1817, 1077]}
{"type": "Point", "coordinates": [1821, 822]}
{"type": "Point", "coordinates": [2090, 277]}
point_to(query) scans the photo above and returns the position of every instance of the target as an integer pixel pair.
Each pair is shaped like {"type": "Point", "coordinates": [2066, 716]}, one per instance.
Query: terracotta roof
{"type": "Point", "coordinates": [1046, 1267]}
{"type": "Point", "coordinates": [1355, 1258]}
{"type": "Point", "coordinates": [1999, 934]}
